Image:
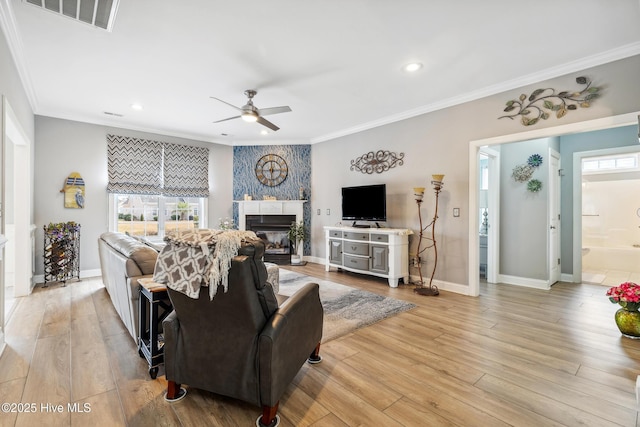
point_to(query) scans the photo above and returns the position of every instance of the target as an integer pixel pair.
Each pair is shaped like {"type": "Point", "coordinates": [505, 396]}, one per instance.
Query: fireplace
{"type": "Point", "coordinates": [272, 229]}
{"type": "Point", "coordinates": [274, 217]}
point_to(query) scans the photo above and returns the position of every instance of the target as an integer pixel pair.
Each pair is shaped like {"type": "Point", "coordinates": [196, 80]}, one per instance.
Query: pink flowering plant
{"type": "Point", "coordinates": [626, 294]}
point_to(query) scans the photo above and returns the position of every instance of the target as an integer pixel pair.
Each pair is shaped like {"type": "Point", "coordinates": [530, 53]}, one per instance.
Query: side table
{"type": "Point", "coordinates": [154, 307]}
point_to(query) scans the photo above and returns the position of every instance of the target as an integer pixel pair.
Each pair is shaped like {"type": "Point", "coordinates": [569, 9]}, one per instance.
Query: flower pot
{"type": "Point", "coordinates": [628, 321]}
{"type": "Point", "coordinates": [295, 259]}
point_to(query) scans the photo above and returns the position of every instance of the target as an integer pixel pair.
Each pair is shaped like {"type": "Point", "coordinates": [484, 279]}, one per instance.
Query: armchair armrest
{"type": "Point", "coordinates": [286, 341]}
{"type": "Point", "coordinates": [170, 327]}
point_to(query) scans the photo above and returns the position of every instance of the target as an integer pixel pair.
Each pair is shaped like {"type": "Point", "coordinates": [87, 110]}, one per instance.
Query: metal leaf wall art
{"type": "Point", "coordinates": [378, 162]}
{"type": "Point", "coordinates": [544, 102]}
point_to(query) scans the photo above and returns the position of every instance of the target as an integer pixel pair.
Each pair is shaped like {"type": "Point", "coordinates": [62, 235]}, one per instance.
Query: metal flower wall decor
{"type": "Point", "coordinates": [523, 173]}
{"type": "Point", "coordinates": [378, 162]}
{"type": "Point", "coordinates": [544, 102]}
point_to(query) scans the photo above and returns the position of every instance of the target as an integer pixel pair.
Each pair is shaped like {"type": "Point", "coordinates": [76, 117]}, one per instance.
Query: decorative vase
{"type": "Point", "coordinates": [628, 321]}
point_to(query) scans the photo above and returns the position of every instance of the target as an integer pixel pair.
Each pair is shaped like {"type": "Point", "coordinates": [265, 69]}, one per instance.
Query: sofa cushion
{"type": "Point", "coordinates": [141, 258]}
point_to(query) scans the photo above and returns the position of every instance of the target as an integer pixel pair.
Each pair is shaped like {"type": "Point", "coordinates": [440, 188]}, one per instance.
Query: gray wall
{"type": "Point", "coordinates": [523, 214]}
{"type": "Point", "coordinates": [438, 142]}
{"type": "Point", "coordinates": [64, 146]}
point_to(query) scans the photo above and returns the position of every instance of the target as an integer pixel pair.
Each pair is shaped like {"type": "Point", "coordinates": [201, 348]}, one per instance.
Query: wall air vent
{"type": "Point", "coordinates": [98, 13]}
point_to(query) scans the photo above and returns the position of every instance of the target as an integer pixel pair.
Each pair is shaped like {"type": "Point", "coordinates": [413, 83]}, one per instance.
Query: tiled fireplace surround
{"type": "Point", "coordinates": [271, 220]}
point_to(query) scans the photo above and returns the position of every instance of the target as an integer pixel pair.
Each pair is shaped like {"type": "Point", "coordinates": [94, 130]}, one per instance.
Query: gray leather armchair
{"type": "Point", "coordinates": [242, 344]}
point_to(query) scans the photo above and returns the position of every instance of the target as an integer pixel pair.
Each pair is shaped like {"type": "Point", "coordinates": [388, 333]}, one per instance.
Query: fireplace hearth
{"type": "Point", "coordinates": [272, 230]}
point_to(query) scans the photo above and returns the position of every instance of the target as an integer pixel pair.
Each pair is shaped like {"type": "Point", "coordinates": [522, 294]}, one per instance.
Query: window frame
{"type": "Point", "coordinates": [163, 201]}
{"type": "Point", "coordinates": [610, 158]}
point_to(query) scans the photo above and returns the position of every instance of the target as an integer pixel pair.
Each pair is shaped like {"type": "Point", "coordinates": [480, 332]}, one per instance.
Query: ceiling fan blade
{"type": "Point", "coordinates": [225, 102]}
{"type": "Point", "coordinates": [224, 120]}
{"type": "Point", "coordinates": [274, 110]}
{"type": "Point", "coordinates": [267, 123]}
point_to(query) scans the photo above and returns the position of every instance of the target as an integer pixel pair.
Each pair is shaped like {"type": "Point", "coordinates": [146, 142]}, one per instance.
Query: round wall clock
{"type": "Point", "coordinates": [271, 170]}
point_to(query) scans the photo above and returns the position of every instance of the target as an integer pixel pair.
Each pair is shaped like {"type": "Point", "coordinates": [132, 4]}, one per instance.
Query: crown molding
{"type": "Point", "coordinates": [618, 53]}
{"type": "Point", "coordinates": [10, 30]}
{"type": "Point", "coordinates": [114, 124]}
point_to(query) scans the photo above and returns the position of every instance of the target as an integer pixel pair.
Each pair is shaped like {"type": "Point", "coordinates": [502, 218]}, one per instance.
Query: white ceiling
{"type": "Point", "coordinates": [336, 63]}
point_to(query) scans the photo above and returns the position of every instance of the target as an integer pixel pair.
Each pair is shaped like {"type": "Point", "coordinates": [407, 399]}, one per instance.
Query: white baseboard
{"type": "Point", "coordinates": [445, 286]}
{"type": "Point", "coordinates": [39, 278]}
{"type": "Point", "coordinates": [566, 277]}
{"type": "Point", "coordinates": [314, 259]}
{"type": "Point", "coordinates": [524, 281]}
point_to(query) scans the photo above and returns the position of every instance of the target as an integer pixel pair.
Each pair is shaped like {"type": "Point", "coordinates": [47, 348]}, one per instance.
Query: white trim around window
{"type": "Point", "coordinates": [167, 213]}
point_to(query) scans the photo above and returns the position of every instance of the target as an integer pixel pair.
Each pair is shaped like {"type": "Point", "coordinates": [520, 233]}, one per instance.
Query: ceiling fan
{"type": "Point", "coordinates": [249, 112]}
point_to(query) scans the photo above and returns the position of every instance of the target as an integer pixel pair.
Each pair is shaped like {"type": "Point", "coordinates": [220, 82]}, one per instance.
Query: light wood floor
{"type": "Point", "coordinates": [513, 356]}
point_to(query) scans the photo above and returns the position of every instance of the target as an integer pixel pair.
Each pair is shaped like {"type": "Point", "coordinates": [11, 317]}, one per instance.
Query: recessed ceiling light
{"type": "Point", "coordinates": [136, 106]}
{"type": "Point", "coordinates": [264, 132]}
{"type": "Point", "coordinates": [412, 67]}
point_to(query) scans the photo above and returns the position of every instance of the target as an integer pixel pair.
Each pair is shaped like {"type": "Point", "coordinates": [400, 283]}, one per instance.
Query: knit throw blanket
{"type": "Point", "coordinates": [195, 258]}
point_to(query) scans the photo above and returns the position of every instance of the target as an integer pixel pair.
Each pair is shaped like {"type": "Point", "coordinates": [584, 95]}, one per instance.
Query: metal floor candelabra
{"type": "Point", "coordinates": [421, 289]}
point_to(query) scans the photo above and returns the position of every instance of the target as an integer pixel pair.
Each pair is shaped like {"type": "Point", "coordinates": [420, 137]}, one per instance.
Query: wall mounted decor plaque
{"type": "Point", "coordinates": [73, 191]}
{"type": "Point", "coordinates": [378, 162]}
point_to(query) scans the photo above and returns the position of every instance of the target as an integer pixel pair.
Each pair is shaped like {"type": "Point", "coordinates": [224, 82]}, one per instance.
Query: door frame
{"type": "Point", "coordinates": [493, 202]}
{"type": "Point", "coordinates": [577, 199]}
{"type": "Point", "coordinates": [554, 193]}
{"type": "Point", "coordinates": [13, 133]}
{"type": "Point", "coordinates": [474, 152]}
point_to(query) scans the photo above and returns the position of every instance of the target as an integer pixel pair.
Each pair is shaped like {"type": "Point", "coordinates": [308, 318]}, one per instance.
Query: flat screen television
{"type": "Point", "coordinates": [364, 203]}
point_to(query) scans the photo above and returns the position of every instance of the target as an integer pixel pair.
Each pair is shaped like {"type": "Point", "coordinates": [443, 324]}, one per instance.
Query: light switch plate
{"type": "Point", "coordinates": [318, 211]}
{"type": "Point", "coordinates": [328, 211]}
{"type": "Point", "coordinates": [456, 212]}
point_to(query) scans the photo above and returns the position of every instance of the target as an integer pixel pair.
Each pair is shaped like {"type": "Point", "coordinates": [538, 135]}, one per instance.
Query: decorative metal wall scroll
{"type": "Point", "coordinates": [543, 102]}
{"type": "Point", "coordinates": [378, 162]}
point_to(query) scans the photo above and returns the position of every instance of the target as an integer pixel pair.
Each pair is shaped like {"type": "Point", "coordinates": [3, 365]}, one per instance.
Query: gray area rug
{"type": "Point", "coordinates": [345, 309]}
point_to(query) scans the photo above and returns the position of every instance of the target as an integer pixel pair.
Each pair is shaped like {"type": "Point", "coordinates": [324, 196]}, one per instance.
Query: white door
{"type": "Point", "coordinates": [554, 217]}
{"type": "Point", "coordinates": [491, 229]}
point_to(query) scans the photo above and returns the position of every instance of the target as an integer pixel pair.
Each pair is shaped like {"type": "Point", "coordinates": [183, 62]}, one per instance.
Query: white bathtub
{"type": "Point", "coordinates": [611, 258]}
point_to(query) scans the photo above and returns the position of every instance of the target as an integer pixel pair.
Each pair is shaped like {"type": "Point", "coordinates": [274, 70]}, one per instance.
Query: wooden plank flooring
{"type": "Point", "coordinates": [511, 357]}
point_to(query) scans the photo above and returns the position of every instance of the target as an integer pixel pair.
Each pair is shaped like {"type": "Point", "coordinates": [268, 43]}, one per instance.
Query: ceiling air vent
{"type": "Point", "coordinates": [99, 13]}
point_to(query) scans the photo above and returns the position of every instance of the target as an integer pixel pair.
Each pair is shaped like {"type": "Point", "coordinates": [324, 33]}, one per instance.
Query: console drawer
{"type": "Point", "coordinates": [359, 263]}
{"type": "Point", "coordinates": [335, 233]}
{"type": "Point", "coordinates": [351, 235]}
{"type": "Point", "coordinates": [355, 248]}
{"type": "Point", "coordinates": [379, 237]}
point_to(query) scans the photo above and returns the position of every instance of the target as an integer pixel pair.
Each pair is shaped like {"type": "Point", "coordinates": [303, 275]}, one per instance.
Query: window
{"type": "Point", "coordinates": [609, 164]}
{"type": "Point", "coordinates": [138, 214]}
{"type": "Point", "coordinates": [156, 187]}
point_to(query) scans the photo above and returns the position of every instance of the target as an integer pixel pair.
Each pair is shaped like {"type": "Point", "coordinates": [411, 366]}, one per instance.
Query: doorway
{"type": "Point", "coordinates": [489, 212]}
{"type": "Point", "coordinates": [15, 211]}
{"type": "Point", "coordinates": [474, 150]}
{"type": "Point", "coordinates": [610, 217]}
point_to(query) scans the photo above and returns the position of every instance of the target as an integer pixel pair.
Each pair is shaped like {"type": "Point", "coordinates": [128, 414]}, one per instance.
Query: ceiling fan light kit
{"type": "Point", "coordinates": [249, 113]}
{"type": "Point", "coordinates": [249, 116]}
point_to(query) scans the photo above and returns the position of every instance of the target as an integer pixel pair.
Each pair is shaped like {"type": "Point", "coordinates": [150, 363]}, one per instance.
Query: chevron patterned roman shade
{"type": "Point", "coordinates": [142, 166]}
{"type": "Point", "coordinates": [186, 171]}
{"type": "Point", "coordinates": [134, 165]}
